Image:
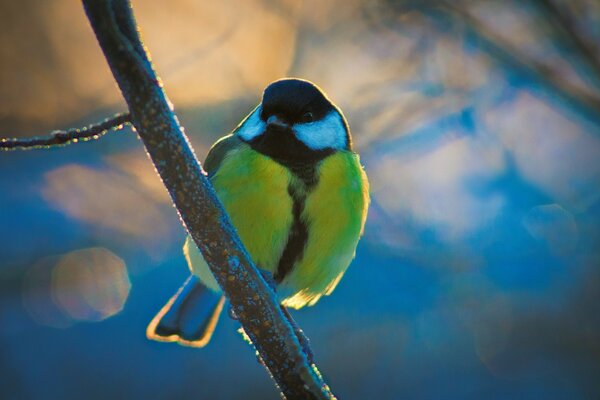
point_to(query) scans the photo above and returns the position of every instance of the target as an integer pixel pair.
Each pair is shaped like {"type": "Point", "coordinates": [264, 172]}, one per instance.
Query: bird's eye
{"type": "Point", "coordinates": [308, 117]}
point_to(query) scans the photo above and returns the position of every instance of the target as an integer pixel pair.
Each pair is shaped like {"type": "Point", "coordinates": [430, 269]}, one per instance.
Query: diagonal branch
{"type": "Point", "coordinates": [251, 298]}
{"type": "Point", "coordinates": [62, 138]}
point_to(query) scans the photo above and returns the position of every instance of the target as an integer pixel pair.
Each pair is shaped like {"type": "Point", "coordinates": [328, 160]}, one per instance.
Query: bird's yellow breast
{"type": "Point", "coordinates": [254, 190]}
{"type": "Point", "coordinates": [335, 212]}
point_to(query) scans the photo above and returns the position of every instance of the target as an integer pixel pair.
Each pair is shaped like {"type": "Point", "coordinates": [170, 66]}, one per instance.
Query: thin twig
{"type": "Point", "coordinates": [252, 299]}
{"type": "Point", "coordinates": [63, 138]}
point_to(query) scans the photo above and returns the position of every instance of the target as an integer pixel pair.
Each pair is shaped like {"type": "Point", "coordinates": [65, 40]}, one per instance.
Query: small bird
{"type": "Point", "coordinates": [298, 197]}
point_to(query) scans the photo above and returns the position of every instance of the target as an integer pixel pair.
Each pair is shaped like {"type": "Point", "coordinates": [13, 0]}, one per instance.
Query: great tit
{"type": "Point", "coordinates": [298, 197]}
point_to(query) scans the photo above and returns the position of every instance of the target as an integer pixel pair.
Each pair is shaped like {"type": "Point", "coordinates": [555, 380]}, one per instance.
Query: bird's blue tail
{"type": "Point", "coordinates": [190, 317]}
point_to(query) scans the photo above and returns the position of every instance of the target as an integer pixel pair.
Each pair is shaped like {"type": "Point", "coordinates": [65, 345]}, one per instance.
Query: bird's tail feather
{"type": "Point", "coordinates": [190, 317]}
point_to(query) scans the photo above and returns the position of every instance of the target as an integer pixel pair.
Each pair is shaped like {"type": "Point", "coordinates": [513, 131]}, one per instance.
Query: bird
{"type": "Point", "coordinates": [298, 197]}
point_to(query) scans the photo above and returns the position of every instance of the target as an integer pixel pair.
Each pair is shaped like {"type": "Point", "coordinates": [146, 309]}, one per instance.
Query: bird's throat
{"type": "Point", "coordinates": [282, 146]}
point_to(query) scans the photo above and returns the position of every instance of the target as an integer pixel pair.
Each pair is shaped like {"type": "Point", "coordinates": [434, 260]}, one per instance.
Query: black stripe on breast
{"type": "Point", "coordinates": [298, 235]}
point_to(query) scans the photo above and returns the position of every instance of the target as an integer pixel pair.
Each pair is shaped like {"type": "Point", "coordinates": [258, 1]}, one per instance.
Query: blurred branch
{"type": "Point", "coordinates": [509, 55]}
{"type": "Point", "coordinates": [62, 138]}
{"type": "Point", "coordinates": [252, 299]}
{"type": "Point", "coordinates": [498, 49]}
{"type": "Point", "coordinates": [568, 32]}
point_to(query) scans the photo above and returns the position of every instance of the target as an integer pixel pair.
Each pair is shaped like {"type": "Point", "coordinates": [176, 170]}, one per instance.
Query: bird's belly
{"type": "Point", "coordinates": [334, 213]}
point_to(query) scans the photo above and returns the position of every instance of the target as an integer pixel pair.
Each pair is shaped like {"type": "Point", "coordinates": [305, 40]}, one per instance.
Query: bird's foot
{"type": "Point", "coordinates": [304, 341]}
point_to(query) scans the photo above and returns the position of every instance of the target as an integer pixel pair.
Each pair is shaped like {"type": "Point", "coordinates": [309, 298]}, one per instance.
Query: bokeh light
{"type": "Point", "coordinates": [90, 284]}
{"type": "Point", "coordinates": [104, 198]}
{"type": "Point", "coordinates": [84, 285]}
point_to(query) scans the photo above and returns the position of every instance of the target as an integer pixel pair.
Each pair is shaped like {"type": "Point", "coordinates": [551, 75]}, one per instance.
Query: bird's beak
{"type": "Point", "coordinates": [275, 122]}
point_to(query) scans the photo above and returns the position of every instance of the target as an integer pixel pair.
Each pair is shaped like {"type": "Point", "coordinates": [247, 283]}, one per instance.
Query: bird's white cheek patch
{"type": "Point", "coordinates": [252, 126]}
{"type": "Point", "coordinates": [327, 133]}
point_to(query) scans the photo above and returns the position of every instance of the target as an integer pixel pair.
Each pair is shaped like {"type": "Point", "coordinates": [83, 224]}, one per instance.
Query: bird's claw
{"type": "Point", "coordinates": [304, 341]}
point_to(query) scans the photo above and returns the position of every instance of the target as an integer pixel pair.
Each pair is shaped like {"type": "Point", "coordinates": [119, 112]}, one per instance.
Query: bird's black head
{"type": "Point", "coordinates": [295, 123]}
{"type": "Point", "coordinates": [295, 101]}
